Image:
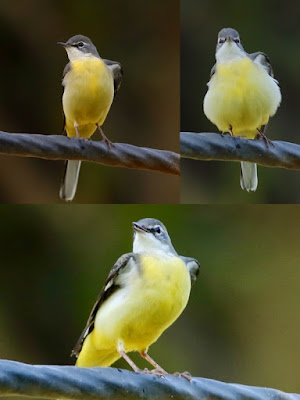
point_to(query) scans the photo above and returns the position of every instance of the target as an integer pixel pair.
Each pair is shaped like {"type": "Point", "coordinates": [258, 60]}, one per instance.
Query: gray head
{"type": "Point", "coordinates": [229, 45]}
{"type": "Point", "coordinates": [79, 46]}
{"type": "Point", "coordinates": [150, 235]}
{"type": "Point", "coordinates": [227, 35]}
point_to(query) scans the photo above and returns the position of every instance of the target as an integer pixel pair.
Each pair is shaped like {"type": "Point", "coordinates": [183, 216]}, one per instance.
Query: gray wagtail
{"type": "Point", "coordinates": [145, 292]}
{"type": "Point", "coordinates": [90, 84]}
{"type": "Point", "coordinates": [242, 95]}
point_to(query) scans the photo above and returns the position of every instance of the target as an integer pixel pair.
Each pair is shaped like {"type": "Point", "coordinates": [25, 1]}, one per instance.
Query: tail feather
{"type": "Point", "coordinates": [70, 180]}
{"type": "Point", "coordinates": [248, 177]}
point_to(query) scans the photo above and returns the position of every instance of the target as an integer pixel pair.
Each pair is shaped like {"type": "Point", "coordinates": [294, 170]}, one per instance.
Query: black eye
{"type": "Point", "coordinates": [220, 41]}
{"type": "Point", "coordinates": [157, 229]}
{"type": "Point", "coordinates": [80, 44]}
{"type": "Point", "coordinates": [236, 40]}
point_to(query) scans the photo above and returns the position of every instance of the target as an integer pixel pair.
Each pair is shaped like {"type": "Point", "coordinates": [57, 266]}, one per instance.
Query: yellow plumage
{"type": "Point", "coordinates": [88, 95]}
{"type": "Point", "coordinates": [241, 95]}
{"type": "Point", "coordinates": [152, 296]}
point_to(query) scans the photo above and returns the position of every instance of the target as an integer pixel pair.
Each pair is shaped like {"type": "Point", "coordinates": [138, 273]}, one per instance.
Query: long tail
{"type": "Point", "coordinates": [70, 180]}
{"type": "Point", "coordinates": [248, 177]}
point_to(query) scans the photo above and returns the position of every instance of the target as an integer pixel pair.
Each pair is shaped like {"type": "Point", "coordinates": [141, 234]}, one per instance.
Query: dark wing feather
{"type": "Point", "coordinates": [110, 287]}
{"type": "Point", "coordinates": [117, 72]}
{"type": "Point", "coordinates": [193, 267]}
{"type": "Point", "coordinates": [262, 59]}
{"type": "Point", "coordinates": [213, 70]}
{"type": "Point", "coordinates": [66, 70]}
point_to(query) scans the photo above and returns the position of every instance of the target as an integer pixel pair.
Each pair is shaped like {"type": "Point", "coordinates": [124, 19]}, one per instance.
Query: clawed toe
{"type": "Point", "coordinates": [262, 136]}
{"type": "Point", "coordinates": [225, 133]}
{"type": "Point", "coordinates": [108, 142]}
{"type": "Point", "coordinates": [267, 141]}
{"type": "Point", "coordinates": [156, 372]}
{"type": "Point", "coordinates": [105, 139]}
{"type": "Point", "coordinates": [185, 375]}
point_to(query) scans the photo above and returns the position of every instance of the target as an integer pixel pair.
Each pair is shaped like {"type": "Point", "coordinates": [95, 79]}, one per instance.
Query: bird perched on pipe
{"type": "Point", "coordinates": [90, 84]}
{"type": "Point", "coordinates": [242, 95]}
{"type": "Point", "coordinates": [145, 292]}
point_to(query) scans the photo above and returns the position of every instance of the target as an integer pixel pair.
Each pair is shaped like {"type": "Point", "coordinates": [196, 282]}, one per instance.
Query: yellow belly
{"type": "Point", "coordinates": [88, 95]}
{"type": "Point", "coordinates": [242, 95]}
{"type": "Point", "coordinates": [138, 314]}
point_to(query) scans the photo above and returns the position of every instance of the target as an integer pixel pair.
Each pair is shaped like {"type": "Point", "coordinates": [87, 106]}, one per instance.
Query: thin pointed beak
{"type": "Point", "coordinates": [62, 44]}
{"type": "Point", "coordinates": [138, 228]}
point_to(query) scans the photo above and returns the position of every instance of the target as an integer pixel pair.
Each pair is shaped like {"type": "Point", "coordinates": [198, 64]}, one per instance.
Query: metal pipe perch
{"type": "Point", "coordinates": [59, 147]}
{"type": "Point", "coordinates": [68, 382]}
{"type": "Point", "coordinates": [213, 146]}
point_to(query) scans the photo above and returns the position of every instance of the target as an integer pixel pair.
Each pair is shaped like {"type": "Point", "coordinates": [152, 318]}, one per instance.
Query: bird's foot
{"type": "Point", "coordinates": [185, 375]}
{"type": "Point", "coordinates": [108, 142]}
{"type": "Point", "coordinates": [262, 136]}
{"type": "Point", "coordinates": [104, 138]}
{"type": "Point", "coordinates": [223, 134]}
{"type": "Point", "coordinates": [156, 372]}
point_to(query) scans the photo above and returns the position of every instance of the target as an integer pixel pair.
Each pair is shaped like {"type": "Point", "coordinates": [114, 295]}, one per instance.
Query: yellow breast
{"type": "Point", "coordinates": [152, 299]}
{"type": "Point", "coordinates": [88, 95]}
{"type": "Point", "coordinates": [243, 95]}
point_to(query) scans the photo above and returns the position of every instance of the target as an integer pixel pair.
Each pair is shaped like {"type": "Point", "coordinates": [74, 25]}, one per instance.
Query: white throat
{"type": "Point", "coordinates": [147, 243]}
{"type": "Point", "coordinates": [75, 54]}
{"type": "Point", "coordinates": [228, 52]}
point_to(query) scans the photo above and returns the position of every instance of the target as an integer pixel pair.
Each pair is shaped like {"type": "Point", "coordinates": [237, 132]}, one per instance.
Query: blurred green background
{"type": "Point", "coordinates": [269, 26]}
{"type": "Point", "coordinates": [241, 324]}
{"type": "Point", "coordinates": [144, 37]}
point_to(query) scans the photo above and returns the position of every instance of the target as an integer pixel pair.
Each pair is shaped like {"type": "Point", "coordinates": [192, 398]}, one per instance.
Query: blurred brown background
{"type": "Point", "coordinates": [269, 26]}
{"type": "Point", "coordinates": [144, 37]}
{"type": "Point", "coordinates": [241, 324]}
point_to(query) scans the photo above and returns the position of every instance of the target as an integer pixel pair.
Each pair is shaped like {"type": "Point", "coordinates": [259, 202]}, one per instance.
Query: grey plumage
{"type": "Point", "coordinates": [230, 33]}
{"type": "Point", "coordinates": [83, 43]}
{"type": "Point", "coordinates": [117, 72]}
{"type": "Point", "coordinates": [262, 59]}
{"type": "Point", "coordinates": [152, 225]}
{"type": "Point", "coordinates": [193, 267]}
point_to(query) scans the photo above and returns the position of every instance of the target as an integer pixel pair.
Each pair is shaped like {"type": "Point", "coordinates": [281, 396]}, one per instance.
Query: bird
{"type": "Point", "coordinates": [242, 95]}
{"type": "Point", "coordinates": [144, 293]}
{"type": "Point", "coordinates": [90, 84]}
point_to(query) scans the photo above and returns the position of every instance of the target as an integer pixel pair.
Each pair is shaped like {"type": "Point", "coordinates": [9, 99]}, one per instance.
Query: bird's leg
{"type": "Point", "coordinates": [262, 136]}
{"type": "Point", "coordinates": [76, 130]}
{"type": "Point", "coordinates": [158, 370]}
{"type": "Point", "coordinates": [185, 375]}
{"type": "Point", "coordinates": [126, 357]}
{"type": "Point", "coordinates": [223, 133]}
{"type": "Point", "coordinates": [236, 136]}
{"type": "Point", "coordinates": [104, 138]}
